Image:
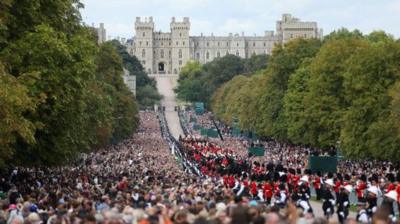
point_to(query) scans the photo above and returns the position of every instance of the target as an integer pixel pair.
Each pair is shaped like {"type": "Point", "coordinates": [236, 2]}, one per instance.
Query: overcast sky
{"type": "Point", "coordinates": [222, 17]}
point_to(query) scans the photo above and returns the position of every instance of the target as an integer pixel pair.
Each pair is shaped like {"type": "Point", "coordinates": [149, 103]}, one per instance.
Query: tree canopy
{"type": "Point", "coordinates": [340, 92]}
{"type": "Point", "coordinates": [198, 82]}
{"type": "Point", "coordinates": [61, 93]}
{"type": "Point", "coordinates": [146, 91]}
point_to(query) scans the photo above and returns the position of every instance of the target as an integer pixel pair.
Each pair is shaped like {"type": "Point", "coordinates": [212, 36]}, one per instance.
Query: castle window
{"type": "Point", "coordinates": [207, 55]}
{"type": "Point", "coordinates": [169, 53]}
{"type": "Point", "coordinates": [143, 53]}
{"type": "Point", "coordinates": [183, 43]}
{"type": "Point", "coordinates": [177, 43]}
{"type": "Point", "coordinates": [218, 44]}
{"type": "Point", "coordinates": [227, 44]}
{"type": "Point", "coordinates": [162, 54]}
{"type": "Point", "coordinates": [198, 55]}
{"type": "Point", "coordinates": [237, 44]}
{"type": "Point", "coordinates": [180, 34]}
{"type": "Point", "coordinates": [237, 53]}
{"type": "Point", "coordinates": [143, 62]}
{"type": "Point", "coordinates": [162, 43]}
{"type": "Point", "coordinates": [208, 44]}
{"type": "Point", "coordinates": [147, 43]}
{"type": "Point", "coordinates": [264, 44]}
{"type": "Point", "coordinates": [144, 34]}
{"type": "Point", "coordinates": [180, 53]}
{"type": "Point", "coordinates": [180, 62]}
{"type": "Point", "coordinates": [254, 44]}
{"type": "Point", "coordinates": [140, 43]}
{"type": "Point", "coordinates": [218, 54]}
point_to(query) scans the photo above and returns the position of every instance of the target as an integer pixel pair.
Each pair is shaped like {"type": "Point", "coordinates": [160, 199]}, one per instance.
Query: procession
{"type": "Point", "coordinates": [141, 181]}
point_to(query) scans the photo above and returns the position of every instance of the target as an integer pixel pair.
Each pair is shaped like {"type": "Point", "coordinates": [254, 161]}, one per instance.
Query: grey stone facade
{"type": "Point", "coordinates": [167, 52]}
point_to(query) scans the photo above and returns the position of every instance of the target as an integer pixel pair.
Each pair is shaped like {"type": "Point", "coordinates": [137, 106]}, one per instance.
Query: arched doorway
{"type": "Point", "coordinates": [161, 68]}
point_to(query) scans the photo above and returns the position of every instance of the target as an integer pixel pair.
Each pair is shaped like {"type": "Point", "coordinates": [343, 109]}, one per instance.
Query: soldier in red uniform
{"type": "Point", "coordinates": [361, 188]}
{"type": "Point", "coordinates": [390, 183]}
{"type": "Point", "coordinates": [268, 192]}
{"type": "Point", "coordinates": [317, 184]}
{"type": "Point", "coordinates": [338, 184]}
{"type": "Point", "coordinates": [253, 189]}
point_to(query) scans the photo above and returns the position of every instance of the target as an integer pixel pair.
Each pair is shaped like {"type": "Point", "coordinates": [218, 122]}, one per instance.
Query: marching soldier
{"type": "Point", "coordinates": [328, 206]}
{"type": "Point", "coordinates": [372, 201]}
{"type": "Point", "coordinates": [344, 203]}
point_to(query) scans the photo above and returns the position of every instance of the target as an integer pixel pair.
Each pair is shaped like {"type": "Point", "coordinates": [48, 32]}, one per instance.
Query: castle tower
{"type": "Point", "coordinates": [144, 42]}
{"type": "Point", "coordinates": [180, 44]}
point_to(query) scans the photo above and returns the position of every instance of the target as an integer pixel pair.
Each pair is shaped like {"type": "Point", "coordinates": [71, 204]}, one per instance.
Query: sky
{"type": "Point", "coordinates": [222, 17]}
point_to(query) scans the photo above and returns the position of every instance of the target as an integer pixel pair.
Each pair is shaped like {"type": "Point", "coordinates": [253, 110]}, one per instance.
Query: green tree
{"type": "Point", "coordinates": [20, 16]}
{"type": "Point", "coordinates": [16, 102]}
{"type": "Point", "coordinates": [146, 90]}
{"type": "Point", "coordinates": [294, 108]}
{"type": "Point", "coordinates": [367, 127]}
{"type": "Point", "coordinates": [283, 62]}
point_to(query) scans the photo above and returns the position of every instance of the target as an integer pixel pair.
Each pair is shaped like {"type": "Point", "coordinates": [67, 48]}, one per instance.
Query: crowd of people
{"type": "Point", "coordinates": [282, 174]}
{"type": "Point", "coordinates": [151, 178]}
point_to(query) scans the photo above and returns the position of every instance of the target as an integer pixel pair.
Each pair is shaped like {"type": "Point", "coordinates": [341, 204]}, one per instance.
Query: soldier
{"type": "Point", "coordinates": [304, 196]}
{"type": "Point", "coordinates": [344, 203]}
{"type": "Point", "coordinates": [317, 184]}
{"type": "Point", "coordinates": [372, 200]}
{"type": "Point", "coordinates": [328, 206]}
{"type": "Point", "coordinates": [267, 188]}
{"type": "Point", "coordinates": [361, 187]}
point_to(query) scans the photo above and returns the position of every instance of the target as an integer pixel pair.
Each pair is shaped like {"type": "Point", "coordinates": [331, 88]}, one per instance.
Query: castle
{"type": "Point", "coordinates": [167, 52]}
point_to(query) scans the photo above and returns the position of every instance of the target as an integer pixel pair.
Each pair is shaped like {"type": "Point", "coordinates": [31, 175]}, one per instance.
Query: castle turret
{"type": "Point", "coordinates": [180, 42]}
{"type": "Point", "coordinates": [144, 42]}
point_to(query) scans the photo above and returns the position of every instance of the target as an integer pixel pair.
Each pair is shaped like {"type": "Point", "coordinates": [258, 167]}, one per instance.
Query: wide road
{"type": "Point", "coordinates": [165, 85]}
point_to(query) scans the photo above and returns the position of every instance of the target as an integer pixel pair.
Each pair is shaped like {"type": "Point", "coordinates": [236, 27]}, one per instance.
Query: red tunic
{"type": "Point", "coordinates": [398, 192]}
{"type": "Point", "coordinates": [317, 183]}
{"type": "Point", "coordinates": [336, 188]}
{"type": "Point", "coordinates": [231, 181]}
{"type": "Point", "coordinates": [391, 187]}
{"type": "Point", "coordinates": [253, 187]}
{"type": "Point", "coordinates": [360, 189]}
{"type": "Point", "coordinates": [267, 190]}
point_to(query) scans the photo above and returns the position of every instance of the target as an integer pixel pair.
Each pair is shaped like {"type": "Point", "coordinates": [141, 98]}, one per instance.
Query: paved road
{"type": "Point", "coordinates": [166, 85]}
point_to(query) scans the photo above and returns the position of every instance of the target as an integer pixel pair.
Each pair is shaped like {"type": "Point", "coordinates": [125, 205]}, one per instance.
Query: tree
{"type": "Point", "coordinates": [16, 102]}
{"type": "Point", "coordinates": [294, 109]}
{"type": "Point", "coordinates": [283, 62]}
{"type": "Point", "coordinates": [146, 92]}
{"type": "Point", "coordinates": [20, 16]}
{"type": "Point", "coordinates": [367, 125]}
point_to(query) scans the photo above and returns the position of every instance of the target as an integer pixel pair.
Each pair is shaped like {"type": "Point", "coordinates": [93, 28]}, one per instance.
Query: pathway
{"type": "Point", "coordinates": [165, 85]}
